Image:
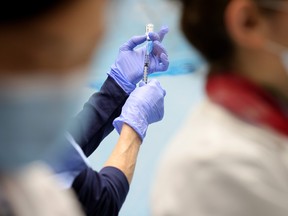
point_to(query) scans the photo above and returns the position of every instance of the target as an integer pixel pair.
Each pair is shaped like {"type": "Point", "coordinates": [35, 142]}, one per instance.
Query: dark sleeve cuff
{"type": "Point", "coordinates": [112, 174]}
{"type": "Point", "coordinates": [101, 193]}
{"type": "Point", "coordinates": [113, 88]}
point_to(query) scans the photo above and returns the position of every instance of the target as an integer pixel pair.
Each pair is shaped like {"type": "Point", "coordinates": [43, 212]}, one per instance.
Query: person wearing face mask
{"type": "Point", "coordinates": [46, 50]}
{"type": "Point", "coordinates": [230, 157]}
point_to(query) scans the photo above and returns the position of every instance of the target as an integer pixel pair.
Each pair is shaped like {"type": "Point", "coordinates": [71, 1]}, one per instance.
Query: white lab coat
{"type": "Point", "coordinates": [218, 165]}
{"type": "Point", "coordinates": [33, 191]}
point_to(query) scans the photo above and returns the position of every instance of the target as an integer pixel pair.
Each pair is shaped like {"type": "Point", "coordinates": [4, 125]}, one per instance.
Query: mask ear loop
{"type": "Point", "coordinates": [280, 51]}
{"type": "Point", "coordinates": [284, 57]}
{"type": "Point", "coordinates": [276, 48]}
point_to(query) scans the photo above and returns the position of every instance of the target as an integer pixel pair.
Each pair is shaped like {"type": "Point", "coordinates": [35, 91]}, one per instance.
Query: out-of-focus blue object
{"type": "Point", "coordinates": [69, 163]}
{"type": "Point", "coordinates": [127, 70]}
{"type": "Point", "coordinates": [32, 122]}
{"type": "Point", "coordinates": [144, 107]}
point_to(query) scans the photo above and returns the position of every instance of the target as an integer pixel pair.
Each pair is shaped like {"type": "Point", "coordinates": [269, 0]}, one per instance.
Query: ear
{"type": "Point", "coordinates": [245, 25]}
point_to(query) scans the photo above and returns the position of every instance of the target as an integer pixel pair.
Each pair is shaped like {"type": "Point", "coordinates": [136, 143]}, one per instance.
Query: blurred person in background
{"type": "Point", "coordinates": [231, 156]}
{"type": "Point", "coordinates": [45, 51]}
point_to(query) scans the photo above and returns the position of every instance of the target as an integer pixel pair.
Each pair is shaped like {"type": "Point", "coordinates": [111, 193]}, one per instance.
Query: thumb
{"type": "Point", "coordinates": [141, 84]}
{"type": "Point", "coordinates": [156, 83]}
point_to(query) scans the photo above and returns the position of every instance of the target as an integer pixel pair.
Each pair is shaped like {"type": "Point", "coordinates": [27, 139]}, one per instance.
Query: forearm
{"type": "Point", "coordinates": [124, 156]}
{"type": "Point", "coordinates": [104, 193]}
{"type": "Point", "coordinates": [94, 122]}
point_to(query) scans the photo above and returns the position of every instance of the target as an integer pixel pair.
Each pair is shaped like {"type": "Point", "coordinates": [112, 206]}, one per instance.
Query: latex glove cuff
{"type": "Point", "coordinates": [122, 81]}
{"type": "Point", "coordinates": [140, 126]}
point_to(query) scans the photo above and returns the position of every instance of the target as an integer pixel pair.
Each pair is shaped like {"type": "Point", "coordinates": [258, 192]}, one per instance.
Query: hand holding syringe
{"type": "Point", "coordinates": [128, 68]}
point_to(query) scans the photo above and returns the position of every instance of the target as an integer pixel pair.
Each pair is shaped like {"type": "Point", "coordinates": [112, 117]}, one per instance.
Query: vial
{"type": "Point", "coordinates": [149, 28]}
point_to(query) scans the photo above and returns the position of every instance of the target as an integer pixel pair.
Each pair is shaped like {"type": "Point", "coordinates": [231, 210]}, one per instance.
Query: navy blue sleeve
{"type": "Point", "coordinates": [103, 193]}
{"type": "Point", "coordinates": [94, 122]}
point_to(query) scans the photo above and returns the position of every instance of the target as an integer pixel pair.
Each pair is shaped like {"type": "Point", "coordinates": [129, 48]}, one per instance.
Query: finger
{"type": "Point", "coordinates": [141, 84]}
{"type": "Point", "coordinates": [154, 36]}
{"type": "Point", "coordinates": [158, 49]}
{"type": "Point", "coordinates": [133, 42]}
{"type": "Point", "coordinates": [156, 83]}
{"type": "Point", "coordinates": [163, 63]}
{"type": "Point", "coordinates": [162, 33]}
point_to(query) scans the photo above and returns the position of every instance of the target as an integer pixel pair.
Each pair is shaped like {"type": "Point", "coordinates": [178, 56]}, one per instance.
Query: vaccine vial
{"type": "Point", "coordinates": [149, 28]}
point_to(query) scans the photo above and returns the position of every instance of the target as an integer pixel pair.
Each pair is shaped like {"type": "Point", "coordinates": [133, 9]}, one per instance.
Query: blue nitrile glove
{"type": "Point", "coordinates": [127, 70]}
{"type": "Point", "coordinates": [144, 106]}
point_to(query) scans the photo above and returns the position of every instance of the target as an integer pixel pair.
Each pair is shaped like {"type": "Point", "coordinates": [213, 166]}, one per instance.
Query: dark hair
{"type": "Point", "coordinates": [203, 24]}
{"type": "Point", "coordinates": [20, 10]}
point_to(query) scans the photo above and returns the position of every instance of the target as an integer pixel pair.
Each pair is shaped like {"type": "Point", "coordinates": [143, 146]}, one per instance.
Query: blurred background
{"type": "Point", "coordinates": [183, 82]}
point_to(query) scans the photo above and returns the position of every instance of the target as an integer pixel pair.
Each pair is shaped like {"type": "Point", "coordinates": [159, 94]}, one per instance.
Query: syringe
{"type": "Point", "coordinates": [149, 48]}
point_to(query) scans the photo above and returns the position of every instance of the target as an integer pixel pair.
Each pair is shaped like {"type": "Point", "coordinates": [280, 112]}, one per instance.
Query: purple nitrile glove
{"type": "Point", "coordinates": [127, 70]}
{"type": "Point", "coordinates": [144, 106]}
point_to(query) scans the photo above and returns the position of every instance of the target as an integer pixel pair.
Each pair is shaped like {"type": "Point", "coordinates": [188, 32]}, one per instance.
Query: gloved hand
{"type": "Point", "coordinates": [144, 106]}
{"type": "Point", "coordinates": [127, 70]}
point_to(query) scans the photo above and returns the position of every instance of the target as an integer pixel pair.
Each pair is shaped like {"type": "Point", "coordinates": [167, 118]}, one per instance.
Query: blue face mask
{"type": "Point", "coordinates": [33, 124]}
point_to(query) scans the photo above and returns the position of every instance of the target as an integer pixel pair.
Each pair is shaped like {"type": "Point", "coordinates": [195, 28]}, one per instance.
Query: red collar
{"type": "Point", "coordinates": [247, 101]}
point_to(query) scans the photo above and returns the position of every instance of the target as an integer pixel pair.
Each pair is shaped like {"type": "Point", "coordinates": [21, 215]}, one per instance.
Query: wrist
{"type": "Point", "coordinates": [122, 81]}
{"type": "Point", "coordinates": [124, 156]}
{"type": "Point", "coordinates": [130, 134]}
{"type": "Point", "coordinates": [136, 122]}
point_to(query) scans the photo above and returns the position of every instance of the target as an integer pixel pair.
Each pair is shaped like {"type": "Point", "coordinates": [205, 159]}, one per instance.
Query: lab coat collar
{"type": "Point", "coordinates": [247, 101]}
